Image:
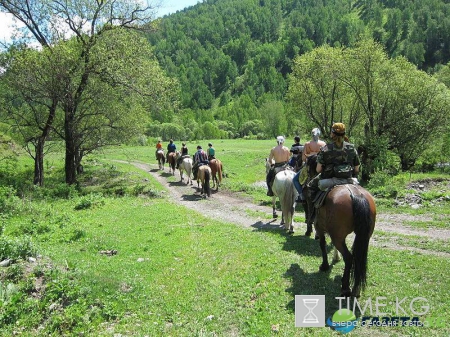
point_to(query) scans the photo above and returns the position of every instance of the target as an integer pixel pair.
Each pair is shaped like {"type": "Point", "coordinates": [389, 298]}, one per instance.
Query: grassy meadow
{"type": "Point", "coordinates": [116, 257]}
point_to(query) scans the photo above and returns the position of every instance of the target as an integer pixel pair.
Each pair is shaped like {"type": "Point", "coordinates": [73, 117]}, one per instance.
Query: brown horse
{"type": "Point", "coordinates": [347, 208]}
{"type": "Point", "coordinates": [216, 171]}
{"type": "Point", "coordinates": [161, 159]}
{"type": "Point", "coordinates": [172, 160]}
{"type": "Point", "coordinates": [204, 177]}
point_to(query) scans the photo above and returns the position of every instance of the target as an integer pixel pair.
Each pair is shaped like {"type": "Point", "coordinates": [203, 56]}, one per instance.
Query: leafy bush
{"type": "Point", "coordinates": [89, 201]}
{"type": "Point", "coordinates": [8, 199]}
{"type": "Point", "coordinates": [14, 273]}
{"type": "Point", "coordinates": [6, 292]}
{"type": "Point", "coordinates": [385, 185]}
{"type": "Point", "coordinates": [32, 227]}
{"type": "Point", "coordinates": [16, 248]}
{"type": "Point", "coordinates": [145, 190]}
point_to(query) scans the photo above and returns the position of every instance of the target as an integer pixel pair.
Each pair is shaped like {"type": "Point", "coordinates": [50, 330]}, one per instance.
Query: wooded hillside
{"type": "Point", "coordinates": [225, 49]}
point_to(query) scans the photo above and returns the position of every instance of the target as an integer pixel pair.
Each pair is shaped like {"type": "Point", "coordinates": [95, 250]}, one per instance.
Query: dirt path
{"type": "Point", "coordinates": [239, 210]}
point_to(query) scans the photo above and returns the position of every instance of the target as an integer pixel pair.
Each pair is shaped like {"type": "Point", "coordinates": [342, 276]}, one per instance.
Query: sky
{"type": "Point", "coordinates": [167, 7]}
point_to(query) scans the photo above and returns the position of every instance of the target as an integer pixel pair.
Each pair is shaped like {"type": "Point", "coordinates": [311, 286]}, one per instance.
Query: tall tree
{"type": "Point", "coordinates": [32, 93]}
{"type": "Point", "coordinates": [52, 21]}
{"type": "Point", "coordinates": [395, 106]}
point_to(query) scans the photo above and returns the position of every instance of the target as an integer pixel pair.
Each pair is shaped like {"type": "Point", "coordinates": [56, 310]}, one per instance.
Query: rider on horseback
{"type": "Point", "coordinates": [296, 150]}
{"type": "Point", "coordinates": [171, 148]}
{"type": "Point", "coordinates": [312, 147]}
{"type": "Point", "coordinates": [280, 154]}
{"type": "Point", "coordinates": [200, 158]}
{"type": "Point", "coordinates": [337, 162]}
{"type": "Point", "coordinates": [158, 148]}
{"type": "Point", "coordinates": [184, 152]}
{"type": "Point", "coordinates": [211, 152]}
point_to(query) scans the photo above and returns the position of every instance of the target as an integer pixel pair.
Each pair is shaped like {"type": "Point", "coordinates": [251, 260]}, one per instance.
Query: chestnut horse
{"type": "Point", "coordinates": [204, 177]}
{"type": "Point", "coordinates": [216, 171]}
{"type": "Point", "coordinates": [161, 159]}
{"type": "Point", "coordinates": [347, 208]}
{"type": "Point", "coordinates": [172, 160]}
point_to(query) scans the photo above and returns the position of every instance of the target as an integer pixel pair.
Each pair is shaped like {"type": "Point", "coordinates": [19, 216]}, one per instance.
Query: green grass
{"type": "Point", "coordinates": [421, 242]}
{"type": "Point", "coordinates": [244, 280]}
{"type": "Point", "coordinates": [177, 273]}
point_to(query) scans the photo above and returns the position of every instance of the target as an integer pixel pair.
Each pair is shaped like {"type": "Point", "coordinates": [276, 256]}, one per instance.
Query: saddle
{"type": "Point", "coordinates": [326, 185]}
{"type": "Point", "coordinates": [277, 168]}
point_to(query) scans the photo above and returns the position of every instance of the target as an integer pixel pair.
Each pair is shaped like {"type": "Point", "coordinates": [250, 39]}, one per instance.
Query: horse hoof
{"type": "Point", "coordinates": [275, 215]}
{"type": "Point", "coordinates": [291, 231]}
{"type": "Point", "coordinates": [308, 233]}
{"type": "Point", "coordinates": [324, 267]}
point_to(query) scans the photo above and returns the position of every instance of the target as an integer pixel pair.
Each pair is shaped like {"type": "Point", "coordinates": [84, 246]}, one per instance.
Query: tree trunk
{"type": "Point", "coordinates": [70, 164]}
{"type": "Point", "coordinates": [78, 157]}
{"type": "Point", "coordinates": [39, 163]}
{"type": "Point", "coordinates": [39, 150]}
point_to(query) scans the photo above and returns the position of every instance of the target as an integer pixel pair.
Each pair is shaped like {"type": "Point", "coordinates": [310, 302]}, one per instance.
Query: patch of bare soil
{"type": "Point", "coordinates": [222, 205]}
{"type": "Point", "coordinates": [240, 210]}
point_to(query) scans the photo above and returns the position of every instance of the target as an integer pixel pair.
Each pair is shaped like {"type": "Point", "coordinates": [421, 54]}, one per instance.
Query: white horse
{"type": "Point", "coordinates": [185, 165]}
{"type": "Point", "coordinates": [283, 188]}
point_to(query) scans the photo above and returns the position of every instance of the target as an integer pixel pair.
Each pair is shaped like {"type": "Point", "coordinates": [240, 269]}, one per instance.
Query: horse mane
{"type": "Point", "coordinates": [311, 164]}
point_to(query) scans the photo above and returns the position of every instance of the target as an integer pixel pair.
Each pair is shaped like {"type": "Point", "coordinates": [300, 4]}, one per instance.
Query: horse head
{"type": "Point", "coordinates": [269, 164]}
{"type": "Point", "coordinates": [311, 164]}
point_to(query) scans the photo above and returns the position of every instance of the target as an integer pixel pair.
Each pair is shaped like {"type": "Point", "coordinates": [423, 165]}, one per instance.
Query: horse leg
{"type": "Point", "coordinates": [348, 258]}
{"type": "Point", "coordinates": [323, 247]}
{"type": "Point", "coordinates": [336, 256]}
{"type": "Point", "coordinates": [307, 220]}
{"type": "Point", "coordinates": [291, 220]}
{"type": "Point", "coordinates": [274, 210]}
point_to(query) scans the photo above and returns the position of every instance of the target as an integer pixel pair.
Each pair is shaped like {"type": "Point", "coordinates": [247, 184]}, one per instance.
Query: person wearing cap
{"type": "Point", "coordinates": [296, 150]}
{"type": "Point", "coordinates": [337, 162]}
{"type": "Point", "coordinates": [184, 152]}
{"type": "Point", "coordinates": [158, 148]}
{"type": "Point", "coordinates": [200, 158]}
{"type": "Point", "coordinates": [211, 152]}
{"type": "Point", "coordinates": [314, 145]}
{"type": "Point", "coordinates": [338, 159]}
{"type": "Point", "coordinates": [311, 147]}
{"type": "Point", "coordinates": [280, 155]}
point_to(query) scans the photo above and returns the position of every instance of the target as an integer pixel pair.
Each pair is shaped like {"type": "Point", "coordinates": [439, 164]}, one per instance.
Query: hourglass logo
{"type": "Point", "coordinates": [309, 310]}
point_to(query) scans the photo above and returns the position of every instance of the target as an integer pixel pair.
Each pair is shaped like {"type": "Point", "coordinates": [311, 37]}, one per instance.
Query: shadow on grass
{"type": "Point", "coordinates": [193, 197]}
{"type": "Point", "coordinates": [176, 183]}
{"type": "Point", "coordinates": [155, 170]}
{"type": "Point", "coordinates": [304, 283]}
{"type": "Point", "coordinates": [298, 207]}
{"type": "Point", "coordinates": [317, 283]}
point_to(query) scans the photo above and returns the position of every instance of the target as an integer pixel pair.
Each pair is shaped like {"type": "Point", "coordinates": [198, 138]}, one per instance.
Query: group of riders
{"type": "Point", "coordinates": [200, 157]}
{"type": "Point", "coordinates": [337, 161]}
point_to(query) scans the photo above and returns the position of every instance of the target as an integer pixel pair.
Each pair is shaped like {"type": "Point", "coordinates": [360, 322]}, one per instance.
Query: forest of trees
{"type": "Point", "coordinates": [234, 60]}
{"type": "Point", "coordinates": [230, 69]}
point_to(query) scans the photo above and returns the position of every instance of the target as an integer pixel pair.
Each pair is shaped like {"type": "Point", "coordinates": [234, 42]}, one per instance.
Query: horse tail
{"type": "Point", "coordinates": [219, 171]}
{"type": "Point", "coordinates": [206, 184]}
{"type": "Point", "coordinates": [362, 222]}
{"type": "Point", "coordinates": [287, 201]}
